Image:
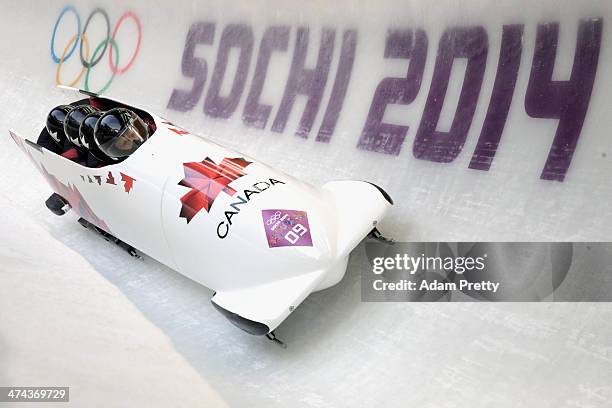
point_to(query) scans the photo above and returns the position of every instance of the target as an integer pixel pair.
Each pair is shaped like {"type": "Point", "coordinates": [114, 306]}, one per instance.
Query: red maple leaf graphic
{"type": "Point", "coordinates": [128, 182]}
{"type": "Point", "coordinates": [110, 179]}
{"type": "Point", "coordinates": [206, 180]}
{"type": "Point", "coordinates": [76, 200]}
{"type": "Point", "coordinates": [179, 132]}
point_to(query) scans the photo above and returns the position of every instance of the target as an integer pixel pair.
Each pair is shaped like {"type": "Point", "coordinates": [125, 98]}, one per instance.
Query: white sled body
{"type": "Point", "coordinates": [261, 239]}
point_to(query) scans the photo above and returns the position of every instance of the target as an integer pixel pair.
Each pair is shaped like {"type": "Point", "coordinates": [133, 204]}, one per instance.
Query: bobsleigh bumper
{"type": "Point", "coordinates": [249, 326]}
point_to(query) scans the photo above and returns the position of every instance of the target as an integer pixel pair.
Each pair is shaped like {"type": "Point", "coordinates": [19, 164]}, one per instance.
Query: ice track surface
{"type": "Point", "coordinates": [76, 311]}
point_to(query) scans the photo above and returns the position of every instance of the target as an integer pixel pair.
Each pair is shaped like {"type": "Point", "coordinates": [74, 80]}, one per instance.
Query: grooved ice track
{"type": "Point", "coordinates": [461, 111]}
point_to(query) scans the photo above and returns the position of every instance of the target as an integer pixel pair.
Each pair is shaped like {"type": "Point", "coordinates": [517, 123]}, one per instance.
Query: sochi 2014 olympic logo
{"type": "Point", "coordinates": [80, 40]}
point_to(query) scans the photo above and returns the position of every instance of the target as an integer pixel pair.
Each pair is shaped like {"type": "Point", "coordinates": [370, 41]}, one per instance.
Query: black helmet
{"type": "Point", "coordinates": [120, 132]}
{"type": "Point", "coordinates": [73, 123]}
{"type": "Point", "coordinates": [86, 134]}
{"type": "Point", "coordinates": [55, 123]}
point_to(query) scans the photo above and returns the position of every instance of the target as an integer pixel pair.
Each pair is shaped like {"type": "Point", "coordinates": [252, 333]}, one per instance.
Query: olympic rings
{"type": "Point", "coordinates": [58, 80]}
{"type": "Point", "coordinates": [86, 62]}
{"type": "Point", "coordinates": [64, 11]}
{"type": "Point", "coordinates": [95, 61]}
{"type": "Point", "coordinates": [114, 67]}
{"type": "Point", "coordinates": [273, 219]}
{"type": "Point", "coordinates": [104, 44]}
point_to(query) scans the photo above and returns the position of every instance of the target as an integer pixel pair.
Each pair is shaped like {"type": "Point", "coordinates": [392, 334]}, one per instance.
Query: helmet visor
{"type": "Point", "coordinates": [128, 141]}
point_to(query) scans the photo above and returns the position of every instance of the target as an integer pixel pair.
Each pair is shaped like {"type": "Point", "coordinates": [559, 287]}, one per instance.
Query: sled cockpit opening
{"type": "Point", "coordinates": [96, 132]}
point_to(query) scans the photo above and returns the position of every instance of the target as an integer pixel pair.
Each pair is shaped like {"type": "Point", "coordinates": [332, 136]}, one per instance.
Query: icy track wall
{"type": "Point", "coordinates": [484, 120]}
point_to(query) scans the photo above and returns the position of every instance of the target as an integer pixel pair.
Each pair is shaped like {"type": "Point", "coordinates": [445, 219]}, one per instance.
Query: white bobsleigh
{"type": "Point", "coordinates": [261, 239]}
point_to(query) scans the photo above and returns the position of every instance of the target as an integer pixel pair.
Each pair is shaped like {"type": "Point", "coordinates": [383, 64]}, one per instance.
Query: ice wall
{"type": "Point", "coordinates": [484, 120]}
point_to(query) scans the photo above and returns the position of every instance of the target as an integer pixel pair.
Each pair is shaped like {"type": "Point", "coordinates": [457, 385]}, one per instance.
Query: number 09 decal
{"type": "Point", "coordinates": [286, 228]}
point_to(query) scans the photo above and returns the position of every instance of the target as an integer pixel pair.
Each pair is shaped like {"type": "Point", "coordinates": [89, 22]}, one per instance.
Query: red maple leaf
{"type": "Point", "coordinates": [71, 194]}
{"type": "Point", "coordinates": [128, 182]}
{"type": "Point", "coordinates": [110, 179]}
{"type": "Point", "coordinates": [179, 131]}
{"type": "Point", "coordinates": [206, 180]}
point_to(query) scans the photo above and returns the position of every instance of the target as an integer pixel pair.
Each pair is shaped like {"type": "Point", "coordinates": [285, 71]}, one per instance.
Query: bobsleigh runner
{"type": "Point", "coordinates": [260, 239]}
